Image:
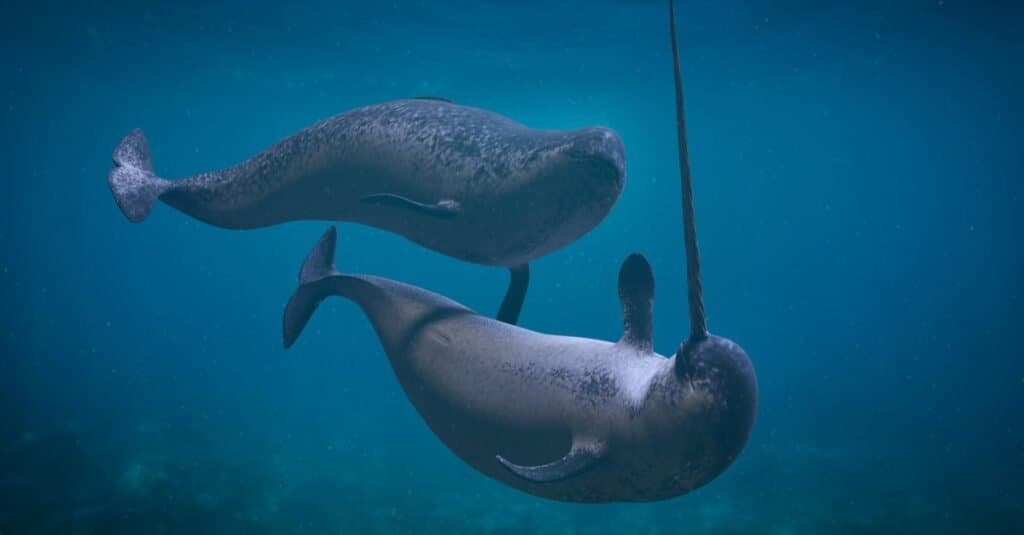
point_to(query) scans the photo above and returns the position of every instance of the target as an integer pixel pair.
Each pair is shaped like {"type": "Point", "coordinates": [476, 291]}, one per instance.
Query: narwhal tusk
{"type": "Point", "coordinates": [695, 294]}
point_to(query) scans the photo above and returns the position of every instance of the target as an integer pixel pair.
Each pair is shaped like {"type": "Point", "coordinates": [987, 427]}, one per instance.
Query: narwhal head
{"type": "Point", "coordinates": [714, 381]}
{"type": "Point", "coordinates": [567, 183]}
{"type": "Point", "coordinates": [707, 399]}
{"type": "Point", "coordinates": [700, 406]}
{"type": "Point", "coordinates": [592, 157]}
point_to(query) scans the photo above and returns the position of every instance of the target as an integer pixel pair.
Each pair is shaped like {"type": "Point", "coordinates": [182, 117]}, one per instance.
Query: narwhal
{"type": "Point", "coordinates": [459, 180]}
{"type": "Point", "coordinates": [565, 418]}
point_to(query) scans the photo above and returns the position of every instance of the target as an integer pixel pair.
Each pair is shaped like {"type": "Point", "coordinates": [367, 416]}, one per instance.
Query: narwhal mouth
{"type": "Point", "coordinates": [599, 166]}
{"type": "Point", "coordinates": [600, 152]}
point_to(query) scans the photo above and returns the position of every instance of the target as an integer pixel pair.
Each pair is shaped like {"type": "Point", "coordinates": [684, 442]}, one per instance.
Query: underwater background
{"type": "Point", "coordinates": [858, 176]}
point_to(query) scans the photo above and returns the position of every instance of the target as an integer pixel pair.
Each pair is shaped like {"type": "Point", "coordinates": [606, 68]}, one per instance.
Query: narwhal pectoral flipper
{"type": "Point", "coordinates": [443, 209]}
{"type": "Point", "coordinates": [636, 294]}
{"type": "Point", "coordinates": [132, 181]}
{"type": "Point", "coordinates": [512, 304]}
{"type": "Point", "coordinates": [582, 456]}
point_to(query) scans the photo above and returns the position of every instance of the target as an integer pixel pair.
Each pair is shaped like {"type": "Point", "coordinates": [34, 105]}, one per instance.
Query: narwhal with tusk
{"type": "Point", "coordinates": [459, 180]}
{"type": "Point", "coordinates": [565, 418]}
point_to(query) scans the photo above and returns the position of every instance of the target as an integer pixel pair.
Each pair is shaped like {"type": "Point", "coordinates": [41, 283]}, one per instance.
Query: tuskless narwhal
{"type": "Point", "coordinates": [462, 181]}
{"type": "Point", "coordinates": [572, 419]}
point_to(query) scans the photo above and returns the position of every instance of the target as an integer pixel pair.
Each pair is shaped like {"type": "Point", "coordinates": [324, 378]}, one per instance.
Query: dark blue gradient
{"type": "Point", "coordinates": [858, 174]}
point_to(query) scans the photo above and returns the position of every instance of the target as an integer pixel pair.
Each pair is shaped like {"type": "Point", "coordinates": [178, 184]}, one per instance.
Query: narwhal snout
{"type": "Point", "coordinates": [721, 370]}
{"type": "Point", "coordinates": [602, 147]}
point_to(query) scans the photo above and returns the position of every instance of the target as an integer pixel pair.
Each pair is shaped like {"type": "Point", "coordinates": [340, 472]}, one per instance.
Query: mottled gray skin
{"type": "Point", "coordinates": [519, 193]}
{"type": "Point", "coordinates": [656, 427]}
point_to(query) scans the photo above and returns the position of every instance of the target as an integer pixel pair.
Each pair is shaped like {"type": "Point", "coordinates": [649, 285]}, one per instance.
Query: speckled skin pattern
{"type": "Point", "coordinates": [663, 426]}
{"type": "Point", "coordinates": [522, 193]}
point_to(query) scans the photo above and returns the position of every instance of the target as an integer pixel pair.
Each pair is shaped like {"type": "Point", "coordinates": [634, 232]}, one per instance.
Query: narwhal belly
{"type": "Point", "coordinates": [330, 193]}
{"type": "Point", "coordinates": [488, 389]}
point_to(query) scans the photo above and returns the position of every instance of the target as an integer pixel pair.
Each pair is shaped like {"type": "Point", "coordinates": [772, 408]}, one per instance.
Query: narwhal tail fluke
{"type": "Point", "coordinates": [314, 286]}
{"type": "Point", "coordinates": [132, 181]}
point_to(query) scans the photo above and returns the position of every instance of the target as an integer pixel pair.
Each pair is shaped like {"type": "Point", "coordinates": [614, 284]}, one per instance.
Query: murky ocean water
{"type": "Point", "coordinates": [858, 180]}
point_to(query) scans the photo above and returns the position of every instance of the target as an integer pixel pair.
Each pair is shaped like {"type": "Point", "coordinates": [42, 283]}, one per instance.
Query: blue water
{"type": "Point", "coordinates": [858, 180]}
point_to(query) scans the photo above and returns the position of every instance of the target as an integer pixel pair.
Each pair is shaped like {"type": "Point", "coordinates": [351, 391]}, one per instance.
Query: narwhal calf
{"type": "Point", "coordinates": [565, 418]}
{"type": "Point", "coordinates": [462, 181]}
